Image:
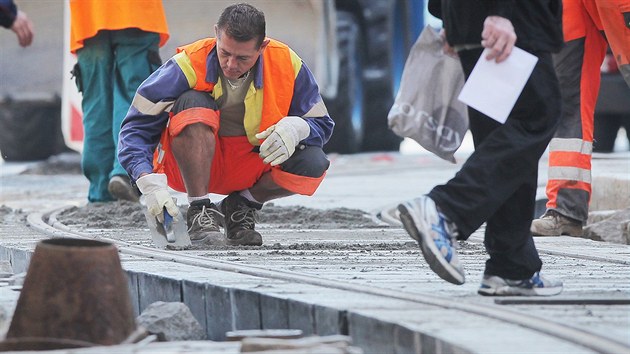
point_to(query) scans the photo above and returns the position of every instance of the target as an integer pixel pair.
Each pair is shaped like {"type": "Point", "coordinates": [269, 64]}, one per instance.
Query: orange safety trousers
{"type": "Point", "coordinates": [578, 69]}
{"type": "Point", "coordinates": [235, 166]}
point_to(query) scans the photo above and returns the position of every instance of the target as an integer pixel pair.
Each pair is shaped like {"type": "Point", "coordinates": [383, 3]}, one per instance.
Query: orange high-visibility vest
{"type": "Point", "coordinates": [278, 79]}
{"type": "Point", "coordinates": [90, 16]}
{"type": "Point", "coordinates": [278, 74]}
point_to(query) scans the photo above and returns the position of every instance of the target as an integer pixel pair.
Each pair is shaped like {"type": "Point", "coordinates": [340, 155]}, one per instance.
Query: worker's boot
{"type": "Point", "coordinates": [203, 227]}
{"type": "Point", "coordinates": [120, 188]}
{"type": "Point", "coordinates": [240, 216]}
{"type": "Point", "coordinates": [553, 223]}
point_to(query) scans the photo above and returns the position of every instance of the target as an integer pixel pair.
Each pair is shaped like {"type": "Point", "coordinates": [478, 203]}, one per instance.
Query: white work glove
{"type": "Point", "coordinates": [282, 138]}
{"type": "Point", "coordinates": [155, 190]}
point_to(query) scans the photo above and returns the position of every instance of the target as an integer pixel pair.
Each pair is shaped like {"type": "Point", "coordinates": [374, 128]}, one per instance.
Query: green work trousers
{"type": "Point", "coordinates": [112, 65]}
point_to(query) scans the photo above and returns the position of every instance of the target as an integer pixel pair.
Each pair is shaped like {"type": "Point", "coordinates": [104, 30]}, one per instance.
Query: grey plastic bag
{"type": "Point", "coordinates": [426, 108]}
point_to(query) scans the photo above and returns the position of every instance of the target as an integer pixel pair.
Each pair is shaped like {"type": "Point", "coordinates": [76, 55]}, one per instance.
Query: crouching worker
{"type": "Point", "coordinates": [238, 115]}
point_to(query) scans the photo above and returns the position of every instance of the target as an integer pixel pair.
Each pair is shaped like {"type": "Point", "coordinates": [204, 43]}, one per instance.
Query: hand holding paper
{"type": "Point", "coordinates": [498, 35]}
{"type": "Point", "coordinates": [493, 88]}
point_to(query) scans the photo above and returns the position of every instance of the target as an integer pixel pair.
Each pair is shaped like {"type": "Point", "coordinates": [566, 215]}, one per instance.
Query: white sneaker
{"type": "Point", "coordinates": [435, 235]}
{"type": "Point", "coordinates": [537, 285]}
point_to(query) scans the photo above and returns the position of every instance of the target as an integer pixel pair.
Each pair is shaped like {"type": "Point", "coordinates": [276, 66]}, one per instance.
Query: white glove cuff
{"type": "Point", "coordinates": [152, 182]}
{"type": "Point", "coordinates": [301, 127]}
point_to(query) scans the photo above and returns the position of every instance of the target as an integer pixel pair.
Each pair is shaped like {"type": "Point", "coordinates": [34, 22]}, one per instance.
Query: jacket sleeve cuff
{"type": "Point", "coordinates": [502, 8]}
{"type": "Point", "coordinates": [140, 169]}
{"type": "Point", "coordinates": [8, 13]}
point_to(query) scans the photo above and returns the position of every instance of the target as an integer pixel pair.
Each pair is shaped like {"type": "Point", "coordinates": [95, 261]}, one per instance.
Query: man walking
{"type": "Point", "coordinates": [497, 184]}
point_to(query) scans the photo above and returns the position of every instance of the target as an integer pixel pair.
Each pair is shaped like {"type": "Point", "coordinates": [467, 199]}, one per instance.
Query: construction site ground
{"type": "Point", "coordinates": [329, 265]}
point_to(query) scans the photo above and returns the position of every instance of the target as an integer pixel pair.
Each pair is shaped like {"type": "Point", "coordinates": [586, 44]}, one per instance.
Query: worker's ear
{"type": "Point", "coordinates": [264, 45]}
{"type": "Point", "coordinates": [216, 31]}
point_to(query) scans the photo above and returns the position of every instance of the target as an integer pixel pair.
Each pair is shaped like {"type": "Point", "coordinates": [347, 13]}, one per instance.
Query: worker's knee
{"type": "Point", "coordinates": [194, 99]}
{"type": "Point", "coordinates": [194, 107]}
{"type": "Point", "coordinates": [308, 161]}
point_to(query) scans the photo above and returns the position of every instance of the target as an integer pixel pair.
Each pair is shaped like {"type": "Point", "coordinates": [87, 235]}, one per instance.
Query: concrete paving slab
{"type": "Point", "coordinates": [374, 333]}
{"type": "Point", "coordinates": [301, 316]}
{"type": "Point", "coordinates": [194, 296]}
{"type": "Point", "coordinates": [152, 288]}
{"type": "Point", "coordinates": [218, 312]}
{"type": "Point", "coordinates": [134, 292]}
{"type": "Point", "coordinates": [246, 309]}
{"type": "Point", "coordinates": [274, 312]}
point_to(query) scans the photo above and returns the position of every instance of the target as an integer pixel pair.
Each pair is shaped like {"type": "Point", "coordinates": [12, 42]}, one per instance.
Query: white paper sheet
{"type": "Point", "coordinates": [493, 88]}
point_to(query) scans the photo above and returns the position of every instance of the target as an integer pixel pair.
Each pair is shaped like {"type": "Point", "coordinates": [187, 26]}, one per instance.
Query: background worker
{"type": "Point", "coordinates": [17, 21]}
{"type": "Point", "coordinates": [589, 26]}
{"type": "Point", "coordinates": [117, 45]}
{"type": "Point", "coordinates": [497, 184]}
{"type": "Point", "coordinates": [239, 115]}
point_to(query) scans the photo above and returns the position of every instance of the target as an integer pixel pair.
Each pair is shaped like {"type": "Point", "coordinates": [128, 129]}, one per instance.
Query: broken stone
{"type": "Point", "coordinates": [599, 215]}
{"type": "Point", "coordinates": [171, 321]}
{"type": "Point", "coordinates": [613, 229]}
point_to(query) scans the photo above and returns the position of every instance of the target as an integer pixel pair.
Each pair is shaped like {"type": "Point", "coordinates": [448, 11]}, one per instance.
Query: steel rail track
{"type": "Point", "coordinates": [47, 223]}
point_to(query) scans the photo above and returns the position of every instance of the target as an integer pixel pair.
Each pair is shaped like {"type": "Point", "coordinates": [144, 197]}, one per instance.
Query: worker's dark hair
{"type": "Point", "coordinates": [243, 22]}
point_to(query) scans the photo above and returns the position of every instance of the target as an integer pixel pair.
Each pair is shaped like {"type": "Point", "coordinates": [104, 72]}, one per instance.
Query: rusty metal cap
{"type": "Point", "coordinates": [75, 290]}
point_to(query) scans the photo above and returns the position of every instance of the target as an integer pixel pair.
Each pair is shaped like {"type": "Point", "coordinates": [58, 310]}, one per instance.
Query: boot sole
{"type": "Point", "coordinates": [214, 239]}
{"type": "Point", "coordinates": [509, 291]}
{"type": "Point", "coordinates": [255, 240]}
{"type": "Point", "coordinates": [557, 234]}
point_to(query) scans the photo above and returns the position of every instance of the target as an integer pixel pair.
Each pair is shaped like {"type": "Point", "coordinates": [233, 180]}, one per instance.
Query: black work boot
{"type": "Point", "coordinates": [203, 227]}
{"type": "Point", "coordinates": [240, 216]}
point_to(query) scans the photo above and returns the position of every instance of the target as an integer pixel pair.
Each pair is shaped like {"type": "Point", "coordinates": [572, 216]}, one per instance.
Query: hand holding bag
{"type": "Point", "coordinates": [426, 108]}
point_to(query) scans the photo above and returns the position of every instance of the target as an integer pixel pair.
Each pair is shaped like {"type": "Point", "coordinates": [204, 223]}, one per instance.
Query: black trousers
{"type": "Point", "coordinates": [497, 184]}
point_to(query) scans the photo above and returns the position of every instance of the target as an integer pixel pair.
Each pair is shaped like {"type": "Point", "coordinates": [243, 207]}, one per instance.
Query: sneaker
{"type": "Point", "coordinates": [120, 188]}
{"type": "Point", "coordinates": [435, 235]}
{"type": "Point", "coordinates": [203, 227]}
{"type": "Point", "coordinates": [556, 224]}
{"type": "Point", "coordinates": [240, 217]}
{"type": "Point", "coordinates": [537, 285]}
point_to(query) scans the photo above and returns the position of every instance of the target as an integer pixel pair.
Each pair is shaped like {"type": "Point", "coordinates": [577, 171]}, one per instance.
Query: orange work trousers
{"type": "Point", "coordinates": [589, 26]}
{"type": "Point", "coordinates": [235, 165]}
